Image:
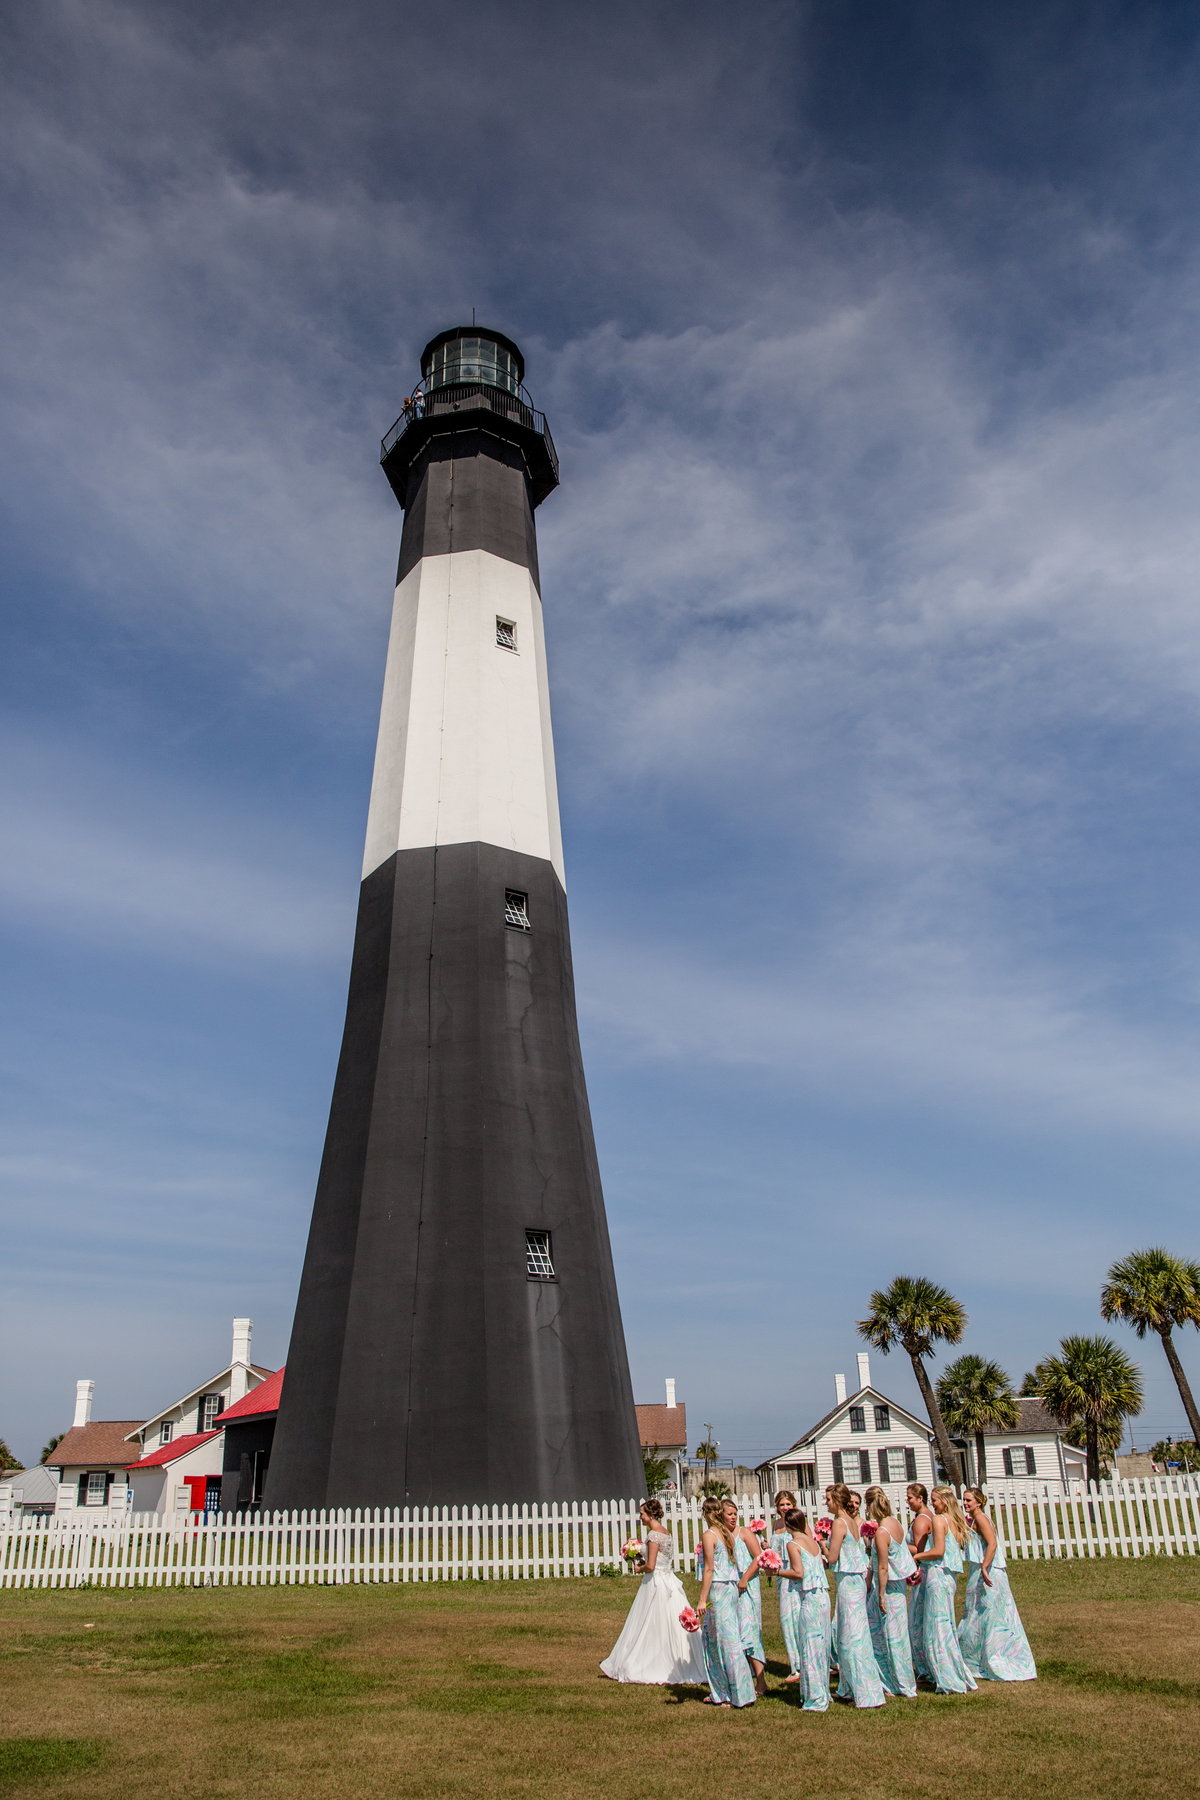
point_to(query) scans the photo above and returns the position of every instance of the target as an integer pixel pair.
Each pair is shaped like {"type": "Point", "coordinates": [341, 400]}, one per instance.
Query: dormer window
{"type": "Point", "coordinates": [166, 1432]}
{"type": "Point", "coordinates": [883, 1418]}
{"type": "Point", "coordinates": [210, 1406]}
{"type": "Point", "coordinates": [858, 1418]}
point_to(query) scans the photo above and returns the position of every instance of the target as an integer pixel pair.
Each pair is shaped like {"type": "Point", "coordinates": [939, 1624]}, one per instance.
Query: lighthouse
{"type": "Point", "coordinates": [457, 1336]}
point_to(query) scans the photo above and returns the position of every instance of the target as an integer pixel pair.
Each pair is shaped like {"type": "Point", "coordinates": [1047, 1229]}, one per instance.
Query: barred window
{"type": "Point", "coordinates": [539, 1263]}
{"type": "Point", "coordinates": [516, 910]}
{"type": "Point", "coordinates": [506, 634]}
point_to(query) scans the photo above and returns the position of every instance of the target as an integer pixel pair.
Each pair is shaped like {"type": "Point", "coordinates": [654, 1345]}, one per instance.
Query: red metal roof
{"type": "Point", "coordinates": [168, 1453]}
{"type": "Point", "coordinates": [262, 1399]}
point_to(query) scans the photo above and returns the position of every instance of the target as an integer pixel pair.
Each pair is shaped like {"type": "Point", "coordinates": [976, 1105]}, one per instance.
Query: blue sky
{"type": "Point", "coordinates": [868, 337]}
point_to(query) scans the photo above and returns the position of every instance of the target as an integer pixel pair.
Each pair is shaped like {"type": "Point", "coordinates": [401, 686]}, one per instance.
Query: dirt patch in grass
{"type": "Point", "coordinates": [444, 1692]}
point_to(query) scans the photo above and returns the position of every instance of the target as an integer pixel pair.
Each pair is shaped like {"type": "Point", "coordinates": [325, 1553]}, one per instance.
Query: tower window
{"type": "Point", "coordinates": [516, 910]}
{"type": "Point", "coordinates": [506, 634]}
{"type": "Point", "coordinates": [539, 1264]}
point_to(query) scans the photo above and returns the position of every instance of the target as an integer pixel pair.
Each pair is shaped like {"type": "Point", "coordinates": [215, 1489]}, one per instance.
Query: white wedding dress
{"type": "Point", "coordinates": [653, 1646]}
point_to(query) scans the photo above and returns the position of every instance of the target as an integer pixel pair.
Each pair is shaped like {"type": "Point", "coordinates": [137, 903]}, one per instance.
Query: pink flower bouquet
{"type": "Point", "coordinates": [758, 1524]}
{"type": "Point", "coordinates": [869, 1528]}
{"type": "Point", "coordinates": [770, 1560]}
{"type": "Point", "coordinates": [822, 1529]}
{"type": "Point", "coordinates": [913, 1580]}
{"type": "Point", "coordinates": [689, 1619]}
{"type": "Point", "coordinates": [631, 1549]}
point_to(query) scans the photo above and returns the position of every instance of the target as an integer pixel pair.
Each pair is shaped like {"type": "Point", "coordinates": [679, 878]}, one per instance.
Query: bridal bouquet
{"type": "Point", "coordinates": [689, 1619]}
{"type": "Point", "coordinates": [632, 1549]}
{"type": "Point", "coordinates": [770, 1560]}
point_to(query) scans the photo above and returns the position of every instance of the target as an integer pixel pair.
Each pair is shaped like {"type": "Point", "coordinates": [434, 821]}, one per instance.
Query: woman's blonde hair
{"type": "Point", "coordinates": [842, 1498]}
{"type": "Point", "coordinates": [954, 1513]}
{"type": "Point", "coordinates": [713, 1511]}
{"type": "Point", "coordinates": [978, 1495]}
{"type": "Point", "coordinates": [879, 1507]}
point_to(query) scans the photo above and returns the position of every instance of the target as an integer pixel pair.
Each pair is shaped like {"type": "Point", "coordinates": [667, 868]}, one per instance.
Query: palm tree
{"type": "Point", "coordinates": [707, 1452]}
{"type": "Point", "coordinates": [916, 1314]}
{"type": "Point", "coordinates": [1092, 1384]}
{"type": "Point", "coordinates": [1155, 1291]}
{"type": "Point", "coordinates": [47, 1449]}
{"type": "Point", "coordinates": [976, 1396]}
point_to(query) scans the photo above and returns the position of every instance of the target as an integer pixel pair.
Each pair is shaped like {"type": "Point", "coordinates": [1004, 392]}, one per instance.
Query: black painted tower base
{"type": "Point", "coordinates": [426, 1367]}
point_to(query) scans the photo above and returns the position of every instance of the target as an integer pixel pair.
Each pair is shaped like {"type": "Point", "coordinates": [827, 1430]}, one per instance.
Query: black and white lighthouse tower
{"type": "Point", "coordinates": [457, 1335]}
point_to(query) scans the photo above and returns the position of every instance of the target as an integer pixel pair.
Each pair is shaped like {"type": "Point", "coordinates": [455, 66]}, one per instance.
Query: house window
{"type": "Point", "coordinates": [895, 1465]}
{"type": "Point", "coordinates": [883, 1418]}
{"type": "Point", "coordinates": [165, 1432]}
{"type": "Point", "coordinates": [539, 1264]}
{"type": "Point", "coordinates": [210, 1406]}
{"type": "Point", "coordinates": [1020, 1460]}
{"type": "Point", "coordinates": [516, 910]}
{"type": "Point", "coordinates": [851, 1466]}
{"type": "Point", "coordinates": [858, 1418]}
{"type": "Point", "coordinates": [506, 634]}
{"type": "Point", "coordinates": [96, 1492]}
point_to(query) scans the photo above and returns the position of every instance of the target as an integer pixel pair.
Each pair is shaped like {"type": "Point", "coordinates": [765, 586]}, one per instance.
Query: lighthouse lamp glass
{"type": "Point", "coordinates": [473, 359]}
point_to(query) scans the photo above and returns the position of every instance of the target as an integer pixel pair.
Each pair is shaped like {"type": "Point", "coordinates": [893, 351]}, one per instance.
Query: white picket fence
{"type": "Point", "coordinates": [1152, 1516]}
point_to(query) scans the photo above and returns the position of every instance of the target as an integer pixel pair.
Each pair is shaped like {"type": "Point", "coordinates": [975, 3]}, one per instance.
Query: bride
{"type": "Point", "coordinates": [653, 1646]}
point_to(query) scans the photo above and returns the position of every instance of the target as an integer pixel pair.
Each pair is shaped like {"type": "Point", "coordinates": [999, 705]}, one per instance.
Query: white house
{"type": "Point", "coordinates": [1032, 1455]}
{"type": "Point", "coordinates": [171, 1462]}
{"type": "Point", "coordinates": [179, 1468]}
{"type": "Point", "coordinates": [866, 1437]}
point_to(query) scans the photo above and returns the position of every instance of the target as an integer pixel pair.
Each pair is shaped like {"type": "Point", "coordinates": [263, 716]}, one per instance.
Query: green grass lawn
{"type": "Point", "coordinates": [491, 1689]}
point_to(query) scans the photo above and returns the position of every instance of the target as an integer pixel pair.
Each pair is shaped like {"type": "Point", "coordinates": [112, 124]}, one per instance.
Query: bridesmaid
{"type": "Point", "coordinates": [942, 1560]}
{"type": "Point", "coordinates": [887, 1598]}
{"type": "Point", "coordinates": [750, 1594]}
{"type": "Point", "coordinates": [806, 1623]}
{"type": "Point", "coordinates": [730, 1682]}
{"type": "Point", "coordinates": [918, 1533]}
{"type": "Point", "coordinates": [991, 1635]}
{"type": "Point", "coordinates": [858, 1676]}
{"type": "Point", "coordinates": [789, 1591]}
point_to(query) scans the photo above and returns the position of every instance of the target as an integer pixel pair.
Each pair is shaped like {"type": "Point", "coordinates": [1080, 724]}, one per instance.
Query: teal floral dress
{"type": "Point", "coordinates": [789, 1604]}
{"type": "Point", "coordinates": [916, 1607]}
{"type": "Point", "coordinates": [858, 1673]}
{"type": "Point", "coordinates": [889, 1627]}
{"type": "Point", "coordinates": [750, 1607]}
{"type": "Point", "coordinates": [939, 1635]}
{"type": "Point", "coordinates": [808, 1629]}
{"type": "Point", "coordinates": [730, 1682]}
{"type": "Point", "coordinates": [991, 1636]}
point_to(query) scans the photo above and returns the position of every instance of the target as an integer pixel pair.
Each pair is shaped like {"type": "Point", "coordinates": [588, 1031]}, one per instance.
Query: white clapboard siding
{"type": "Point", "coordinates": [1153, 1515]}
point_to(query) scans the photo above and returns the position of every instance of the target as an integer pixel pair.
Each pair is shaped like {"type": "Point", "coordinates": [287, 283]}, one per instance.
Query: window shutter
{"type": "Point", "coordinates": [1030, 1460]}
{"type": "Point", "coordinates": [910, 1462]}
{"type": "Point", "coordinates": [83, 1488]}
{"type": "Point", "coordinates": [1008, 1468]}
{"type": "Point", "coordinates": [883, 1464]}
{"type": "Point", "coordinates": [837, 1466]}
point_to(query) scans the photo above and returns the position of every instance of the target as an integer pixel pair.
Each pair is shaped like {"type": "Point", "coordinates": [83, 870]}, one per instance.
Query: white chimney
{"type": "Point", "coordinates": [839, 1387]}
{"type": "Point", "coordinates": [238, 1382]}
{"type": "Point", "coordinates": [670, 1390]}
{"type": "Point", "coordinates": [864, 1369]}
{"type": "Point", "coordinates": [83, 1402]}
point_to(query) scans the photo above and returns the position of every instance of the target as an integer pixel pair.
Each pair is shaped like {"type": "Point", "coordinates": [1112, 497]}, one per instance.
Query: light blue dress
{"type": "Point", "coordinates": [858, 1674]}
{"type": "Point", "coordinates": [991, 1636]}
{"type": "Point", "coordinates": [750, 1607]}
{"type": "Point", "coordinates": [807, 1629]}
{"type": "Point", "coordinates": [916, 1608]}
{"type": "Point", "coordinates": [729, 1679]}
{"type": "Point", "coordinates": [939, 1634]}
{"type": "Point", "coordinates": [889, 1629]}
{"type": "Point", "coordinates": [789, 1604]}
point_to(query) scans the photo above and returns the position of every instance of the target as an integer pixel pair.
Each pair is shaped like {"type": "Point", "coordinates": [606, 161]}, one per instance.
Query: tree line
{"type": "Point", "coordinates": [1089, 1385]}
